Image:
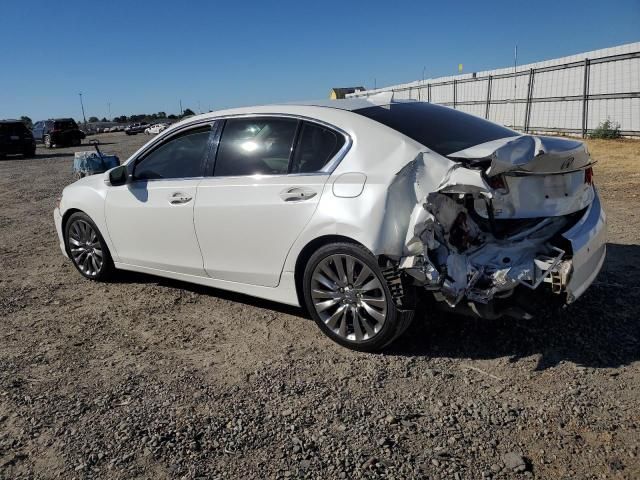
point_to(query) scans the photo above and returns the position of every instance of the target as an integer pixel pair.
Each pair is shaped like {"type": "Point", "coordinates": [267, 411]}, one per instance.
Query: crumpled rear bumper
{"type": "Point", "coordinates": [588, 245]}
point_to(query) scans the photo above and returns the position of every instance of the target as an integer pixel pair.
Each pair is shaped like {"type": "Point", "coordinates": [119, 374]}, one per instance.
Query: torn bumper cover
{"type": "Point", "coordinates": [461, 262]}
{"type": "Point", "coordinates": [553, 231]}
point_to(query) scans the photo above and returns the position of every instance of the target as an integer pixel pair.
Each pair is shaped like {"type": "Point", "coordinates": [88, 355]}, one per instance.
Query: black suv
{"type": "Point", "coordinates": [58, 132]}
{"type": "Point", "coordinates": [16, 138]}
{"type": "Point", "coordinates": [136, 128]}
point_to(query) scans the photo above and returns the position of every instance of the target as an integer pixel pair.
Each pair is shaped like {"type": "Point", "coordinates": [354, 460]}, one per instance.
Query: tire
{"type": "Point", "coordinates": [47, 141]}
{"type": "Point", "coordinates": [76, 142]}
{"type": "Point", "coordinates": [86, 248]}
{"type": "Point", "coordinates": [348, 297]}
{"type": "Point", "coordinates": [29, 153]}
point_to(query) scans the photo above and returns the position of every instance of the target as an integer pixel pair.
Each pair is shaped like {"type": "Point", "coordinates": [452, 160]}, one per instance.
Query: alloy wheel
{"type": "Point", "coordinates": [85, 248]}
{"type": "Point", "coordinates": [349, 297]}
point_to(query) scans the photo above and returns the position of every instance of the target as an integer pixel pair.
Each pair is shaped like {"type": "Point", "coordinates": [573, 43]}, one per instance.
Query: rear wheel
{"type": "Point", "coordinates": [29, 153]}
{"type": "Point", "coordinates": [76, 142]}
{"type": "Point", "coordinates": [86, 247]}
{"type": "Point", "coordinates": [348, 297]}
{"type": "Point", "coordinates": [47, 141]}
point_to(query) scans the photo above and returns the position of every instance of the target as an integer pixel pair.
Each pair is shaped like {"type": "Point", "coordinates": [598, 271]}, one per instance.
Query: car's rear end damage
{"type": "Point", "coordinates": [505, 217]}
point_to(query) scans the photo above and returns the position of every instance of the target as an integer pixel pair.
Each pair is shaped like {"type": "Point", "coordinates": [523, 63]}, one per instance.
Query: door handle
{"type": "Point", "coordinates": [297, 194]}
{"type": "Point", "coordinates": [178, 198]}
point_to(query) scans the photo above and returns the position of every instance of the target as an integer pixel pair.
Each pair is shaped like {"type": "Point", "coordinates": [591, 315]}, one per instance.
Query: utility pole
{"type": "Point", "coordinates": [109, 106]}
{"type": "Point", "coordinates": [180, 107]}
{"type": "Point", "coordinates": [82, 106]}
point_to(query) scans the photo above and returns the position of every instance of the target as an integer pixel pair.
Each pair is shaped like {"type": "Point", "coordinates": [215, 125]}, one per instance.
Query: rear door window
{"type": "Point", "coordinates": [316, 146]}
{"type": "Point", "coordinates": [181, 156]}
{"type": "Point", "coordinates": [255, 146]}
{"type": "Point", "coordinates": [442, 129]}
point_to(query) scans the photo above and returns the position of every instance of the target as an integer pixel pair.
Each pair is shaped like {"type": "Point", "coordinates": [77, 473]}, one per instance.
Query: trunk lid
{"type": "Point", "coordinates": [532, 176]}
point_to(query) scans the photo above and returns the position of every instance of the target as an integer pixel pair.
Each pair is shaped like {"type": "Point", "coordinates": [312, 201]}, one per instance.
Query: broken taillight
{"type": "Point", "coordinates": [588, 176]}
{"type": "Point", "coordinates": [497, 182]}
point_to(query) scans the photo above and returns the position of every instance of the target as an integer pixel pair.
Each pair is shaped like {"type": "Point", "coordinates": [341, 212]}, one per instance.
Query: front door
{"type": "Point", "coordinates": [150, 220]}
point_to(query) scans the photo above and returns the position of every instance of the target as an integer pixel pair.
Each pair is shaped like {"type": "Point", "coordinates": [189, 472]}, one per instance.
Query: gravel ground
{"type": "Point", "coordinates": [151, 378]}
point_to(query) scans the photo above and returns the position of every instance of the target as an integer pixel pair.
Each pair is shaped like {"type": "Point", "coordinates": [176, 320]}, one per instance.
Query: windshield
{"type": "Point", "coordinates": [442, 129]}
{"type": "Point", "coordinates": [65, 125]}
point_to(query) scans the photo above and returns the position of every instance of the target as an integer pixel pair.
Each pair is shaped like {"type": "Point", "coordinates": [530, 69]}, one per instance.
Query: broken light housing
{"type": "Point", "coordinates": [588, 176]}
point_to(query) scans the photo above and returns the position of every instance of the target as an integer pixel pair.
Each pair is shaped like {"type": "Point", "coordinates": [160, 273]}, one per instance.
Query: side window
{"type": "Point", "coordinates": [181, 156]}
{"type": "Point", "coordinates": [258, 145]}
{"type": "Point", "coordinates": [317, 145]}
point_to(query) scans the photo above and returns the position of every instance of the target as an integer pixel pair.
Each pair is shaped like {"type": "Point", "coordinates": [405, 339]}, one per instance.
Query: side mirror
{"type": "Point", "coordinates": [118, 175]}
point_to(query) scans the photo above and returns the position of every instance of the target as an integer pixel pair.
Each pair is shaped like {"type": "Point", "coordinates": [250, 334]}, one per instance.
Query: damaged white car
{"type": "Point", "coordinates": [353, 209]}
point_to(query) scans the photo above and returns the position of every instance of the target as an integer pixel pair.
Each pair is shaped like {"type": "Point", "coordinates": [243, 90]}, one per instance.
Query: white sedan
{"type": "Point", "coordinates": [351, 209]}
{"type": "Point", "coordinates": [156, 129]}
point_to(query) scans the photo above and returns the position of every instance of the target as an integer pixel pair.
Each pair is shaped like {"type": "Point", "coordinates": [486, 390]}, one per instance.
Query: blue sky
{"type": "Point", "coordinates": [144, 56]}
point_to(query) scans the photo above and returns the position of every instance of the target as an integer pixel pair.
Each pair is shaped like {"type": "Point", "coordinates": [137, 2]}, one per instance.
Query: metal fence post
{"type": "Point", "coordinates": [527, 112]}
{"type": "Point", "coordinates": [486, 110]}
{"type": "Point", "coordinates": [455, 83]}
{"type": "Point", "coordinates": [585, 97]}
{"type": "Point", "coordinates": [429, 92]}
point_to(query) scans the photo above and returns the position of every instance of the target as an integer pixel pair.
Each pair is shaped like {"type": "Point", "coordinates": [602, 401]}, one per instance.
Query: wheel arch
{"type": "Point", "coordinates": [305, 255]}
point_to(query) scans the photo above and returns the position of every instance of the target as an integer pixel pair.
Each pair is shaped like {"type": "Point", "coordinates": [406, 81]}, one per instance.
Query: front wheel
{"type": "Point", "coordinates": [86, 247]}
{"type": "Point", "coordinates": [47, 141]}
{"type": "Point", "coordinates": [349, 299]}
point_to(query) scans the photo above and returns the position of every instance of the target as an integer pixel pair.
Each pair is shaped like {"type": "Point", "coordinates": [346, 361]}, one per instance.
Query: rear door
{"type": "Point", "coordinates": [267, 180]}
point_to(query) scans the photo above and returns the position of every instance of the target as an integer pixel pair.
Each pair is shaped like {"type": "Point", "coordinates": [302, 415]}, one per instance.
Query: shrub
{"type": "Point", "coordinates": [606, 129]}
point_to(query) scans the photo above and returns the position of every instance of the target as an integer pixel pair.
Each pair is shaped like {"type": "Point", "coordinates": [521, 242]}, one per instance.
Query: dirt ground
{"type": "Point", "coordinates": [150, 378]}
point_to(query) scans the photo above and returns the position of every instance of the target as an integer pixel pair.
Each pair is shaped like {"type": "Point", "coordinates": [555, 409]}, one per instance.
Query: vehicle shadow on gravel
{"type": "Point", "coordinates": [135, 277]}
{"type": "Point", "coordinates": [601, 330]}
{"type": "Point", "coordinates": [37, 156]}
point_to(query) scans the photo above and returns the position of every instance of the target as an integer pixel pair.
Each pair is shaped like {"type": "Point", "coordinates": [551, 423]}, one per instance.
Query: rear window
{"type": "Point", "coordinates": [65, 124]}
{"type": "Point", "coordinates": [443, 130]}
{"type": "Point", "coordinates": [12, 128]}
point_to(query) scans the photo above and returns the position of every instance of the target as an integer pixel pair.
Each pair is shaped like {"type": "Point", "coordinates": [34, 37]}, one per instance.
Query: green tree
{"type": "Point", "coordinates": [188, 112]}
{"type": "Point", "coordinates": [27, 121]}
{"type": "Point", "coordinates": [93, 119]}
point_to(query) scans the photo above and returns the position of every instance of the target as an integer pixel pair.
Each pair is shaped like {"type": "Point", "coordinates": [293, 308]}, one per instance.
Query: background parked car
{"type": "Point", "coordinates": [58, 132]}
{"type": "Point", "coordinates": [156, 129]}
{"type": "Point", "coordinates": [16, 138]}
{"type": "Point", "coordinates": [136, 128]}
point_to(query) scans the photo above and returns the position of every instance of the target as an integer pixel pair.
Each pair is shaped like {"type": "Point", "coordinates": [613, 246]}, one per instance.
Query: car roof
{"type": "Point", "coordinates": [11, 121]}
{"type": "Point", "coordinates": [311, 106]}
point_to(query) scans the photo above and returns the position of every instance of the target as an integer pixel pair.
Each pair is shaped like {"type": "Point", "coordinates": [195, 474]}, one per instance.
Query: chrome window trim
{"type": "Point", "coordinates": [133, 161]}
{"type": "Point", "coordinates": [167, 134]}
{"type": "Point", "coordinates": [327, 170]}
